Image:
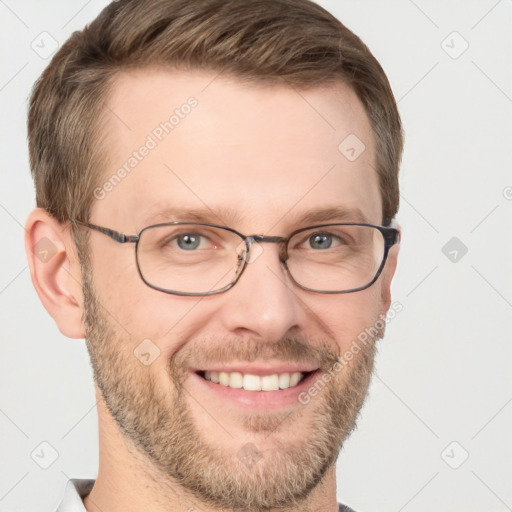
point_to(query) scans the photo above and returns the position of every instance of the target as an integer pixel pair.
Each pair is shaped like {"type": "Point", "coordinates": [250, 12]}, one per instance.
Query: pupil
{"type": "Point", "coordinates": [188, 242]}
{"type": "Point", "coordinates": [320, 241]}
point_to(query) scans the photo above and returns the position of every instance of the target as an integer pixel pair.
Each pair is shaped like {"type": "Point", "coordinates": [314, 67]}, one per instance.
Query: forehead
{"type": "Point", "coordinates": [258, 155]}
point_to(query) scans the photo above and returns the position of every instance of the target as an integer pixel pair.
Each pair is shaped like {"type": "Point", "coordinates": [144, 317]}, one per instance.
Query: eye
{"type": "Point", "coordinates": [322, 240]}
{"type": "Point", "coordinates": [189, 241]}
{"type": "Point", "coordinates": [185, 240]}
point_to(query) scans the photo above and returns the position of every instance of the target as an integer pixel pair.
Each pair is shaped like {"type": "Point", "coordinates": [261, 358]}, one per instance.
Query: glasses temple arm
{"type": "Point", "coordinates": [115, 235]}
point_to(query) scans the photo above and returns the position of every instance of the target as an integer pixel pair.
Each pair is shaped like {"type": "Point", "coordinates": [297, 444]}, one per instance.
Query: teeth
{"type": "Point", "coordinates": [251, 382]}
{"type": "Point", "coordinates": [213, 376]}
{"type": "Point", "coordinates": [236, 380]}
{"type": "Point", "coordinates": [284, 380]}
{"type": "Point", "coordinates": [270, 382]}
{"type": "Point", "coordinates": [294, 379]}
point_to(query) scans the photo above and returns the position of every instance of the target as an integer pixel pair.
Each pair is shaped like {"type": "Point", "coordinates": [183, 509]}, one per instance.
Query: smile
{"type": "Point", "coordinates": [254, 386]}
{"type": "Point", "coordinates": [250, 382]}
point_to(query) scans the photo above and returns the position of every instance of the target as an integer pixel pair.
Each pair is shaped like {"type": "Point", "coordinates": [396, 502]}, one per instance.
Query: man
{"type": "Point", "coordinates": [216, 180]}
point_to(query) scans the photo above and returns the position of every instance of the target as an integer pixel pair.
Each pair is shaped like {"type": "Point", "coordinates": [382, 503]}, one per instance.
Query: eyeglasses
{"type": "Point", "coordinates": [199, 259]}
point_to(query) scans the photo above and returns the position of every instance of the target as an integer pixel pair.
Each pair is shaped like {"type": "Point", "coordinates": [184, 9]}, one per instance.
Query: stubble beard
{"type": "Point", "coordinates": [163, 430]}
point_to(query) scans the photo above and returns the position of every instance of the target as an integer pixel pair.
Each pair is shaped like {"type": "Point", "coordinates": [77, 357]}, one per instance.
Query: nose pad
{"type": "Point", "coordinates": [248, 251]}
{"type": "Point", "coordinates": [241, 253]}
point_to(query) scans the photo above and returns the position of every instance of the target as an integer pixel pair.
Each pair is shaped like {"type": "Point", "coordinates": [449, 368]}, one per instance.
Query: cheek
{"type": "Point", "coordinates": [116, 278]}
{"type": "Point", "coordinates": [348, 315]}
{"type": "Point", "coordinates": [142, 312]}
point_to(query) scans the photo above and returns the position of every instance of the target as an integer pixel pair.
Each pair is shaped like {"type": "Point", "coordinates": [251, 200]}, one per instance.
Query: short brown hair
{"type": "Point", "coordinates": [257, 40]}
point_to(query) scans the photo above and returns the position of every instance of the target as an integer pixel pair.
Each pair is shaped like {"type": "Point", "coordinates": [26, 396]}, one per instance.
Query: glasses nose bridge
{"type": "Point", "coordinates": [283, 242]}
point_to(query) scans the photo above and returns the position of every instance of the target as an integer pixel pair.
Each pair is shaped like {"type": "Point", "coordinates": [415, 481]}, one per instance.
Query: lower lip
{"type": "Point", "coordinates": [257, 399]}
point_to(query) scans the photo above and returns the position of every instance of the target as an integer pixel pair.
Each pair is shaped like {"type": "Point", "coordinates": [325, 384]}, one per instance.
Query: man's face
{"type": "Point", "coordinates": [256, 159]}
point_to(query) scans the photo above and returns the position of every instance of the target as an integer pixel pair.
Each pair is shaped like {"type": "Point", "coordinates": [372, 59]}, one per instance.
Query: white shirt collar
{"type": "Point", "coordinates": [76, 490]}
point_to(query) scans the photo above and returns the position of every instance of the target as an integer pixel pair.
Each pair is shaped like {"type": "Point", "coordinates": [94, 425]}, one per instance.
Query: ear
{"type": "Point", "coordinates": [55, 271]}
{"type": "Point", "coordinates": [388, 273]}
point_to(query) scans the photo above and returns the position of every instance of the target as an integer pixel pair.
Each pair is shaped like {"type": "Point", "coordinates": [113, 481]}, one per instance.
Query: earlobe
{"type": "Point", "coordinates": [55, 271]}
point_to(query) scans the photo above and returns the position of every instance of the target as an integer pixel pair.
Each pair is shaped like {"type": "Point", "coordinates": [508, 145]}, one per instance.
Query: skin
{"type": "Point", "coordinates": [268, 154]}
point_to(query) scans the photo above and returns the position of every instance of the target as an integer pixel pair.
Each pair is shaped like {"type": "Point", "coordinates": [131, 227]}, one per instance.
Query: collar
{"type": "Point", "coordinates": [76, 490]}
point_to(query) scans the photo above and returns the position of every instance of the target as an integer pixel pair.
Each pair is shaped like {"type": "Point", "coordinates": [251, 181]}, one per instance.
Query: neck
{"type": "Point", "coordinates": [128, 481]}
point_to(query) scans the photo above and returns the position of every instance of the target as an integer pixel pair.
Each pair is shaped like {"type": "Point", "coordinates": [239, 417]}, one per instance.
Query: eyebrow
{"type": "Point", "coordinates": [228, 217]}
{"type": "Point", "coordinates": [333, 214]}
{"type": "Point", "coordinates": [178, 214]}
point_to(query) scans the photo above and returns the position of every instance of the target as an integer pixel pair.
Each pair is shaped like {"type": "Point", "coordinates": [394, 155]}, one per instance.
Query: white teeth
{"type": "Point", "coordinates": [251, 382]}
{"type": "Point", "coordinates": [284, 380]}
{"type": "Point", "coordinates": [294, 378]}
{"type": "Point", "coordinates": [236, 380]}
{"type": "Point", "coordinates": [270, 382]}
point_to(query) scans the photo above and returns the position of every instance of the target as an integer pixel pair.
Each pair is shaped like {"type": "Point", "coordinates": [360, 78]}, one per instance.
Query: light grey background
{"type": "Point", "coordinates": [442, 390]}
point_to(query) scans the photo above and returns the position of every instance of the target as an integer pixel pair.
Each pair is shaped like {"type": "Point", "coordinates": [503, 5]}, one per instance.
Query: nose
{"type": "Point", "coordinates": [264, 303]}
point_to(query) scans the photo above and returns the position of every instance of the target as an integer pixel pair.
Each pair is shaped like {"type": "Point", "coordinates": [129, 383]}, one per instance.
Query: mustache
{"type": "Point", "coordinates": [289, 349]}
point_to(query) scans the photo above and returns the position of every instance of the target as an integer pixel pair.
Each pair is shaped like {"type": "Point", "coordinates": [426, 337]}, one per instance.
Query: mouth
{"type": "Point", "coordinates": [254, 388]}
{"type": "Point", "coordinates": [252, 382]}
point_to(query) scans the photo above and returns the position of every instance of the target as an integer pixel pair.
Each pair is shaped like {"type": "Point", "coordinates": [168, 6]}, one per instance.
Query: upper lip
{"type": "Point", "coordinates": [260, 369]}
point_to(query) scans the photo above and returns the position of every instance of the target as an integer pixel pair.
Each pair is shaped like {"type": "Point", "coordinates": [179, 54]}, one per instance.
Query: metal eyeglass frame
{"type": "Point", "coordinates": [391, 237]}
